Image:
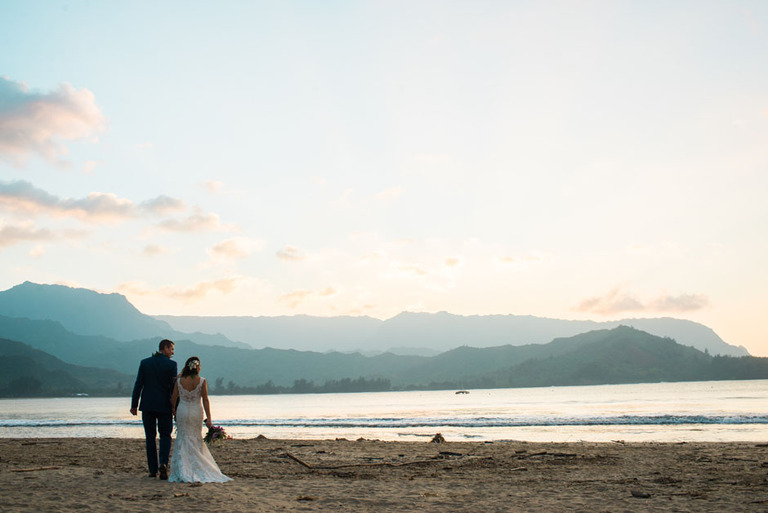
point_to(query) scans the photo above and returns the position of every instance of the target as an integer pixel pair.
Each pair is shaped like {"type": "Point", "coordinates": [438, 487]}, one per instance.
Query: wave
{"type": "Point", "coordinates": [427, 422]}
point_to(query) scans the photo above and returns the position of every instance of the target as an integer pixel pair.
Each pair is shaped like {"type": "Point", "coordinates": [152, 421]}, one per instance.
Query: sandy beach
{"type": "Point", "coordinates": [102, 474]}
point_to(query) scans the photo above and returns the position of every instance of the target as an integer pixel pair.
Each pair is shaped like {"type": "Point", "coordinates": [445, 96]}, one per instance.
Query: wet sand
{"type": "Point", "coordinates": [102, 474]}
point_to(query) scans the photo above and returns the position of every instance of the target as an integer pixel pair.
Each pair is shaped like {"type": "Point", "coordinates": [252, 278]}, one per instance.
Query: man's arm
{"type": "Point", "coordinates": [137, 388]}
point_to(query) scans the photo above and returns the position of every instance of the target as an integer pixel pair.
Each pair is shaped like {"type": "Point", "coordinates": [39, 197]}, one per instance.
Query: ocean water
{"type": "Point", "coordinates": [716, 411]}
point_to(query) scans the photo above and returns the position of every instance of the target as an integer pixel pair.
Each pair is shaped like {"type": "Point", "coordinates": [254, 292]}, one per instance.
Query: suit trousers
{"type": "Point", "coordinates": [154, 422]}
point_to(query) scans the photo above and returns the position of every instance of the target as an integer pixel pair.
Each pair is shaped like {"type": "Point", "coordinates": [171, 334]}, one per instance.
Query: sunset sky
{"type": "Point", "coordinates": [577, 160]}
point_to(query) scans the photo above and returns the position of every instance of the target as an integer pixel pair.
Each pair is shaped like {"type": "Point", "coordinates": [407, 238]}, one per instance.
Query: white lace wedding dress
{"type": "Point", "coordinates": [192, 462]}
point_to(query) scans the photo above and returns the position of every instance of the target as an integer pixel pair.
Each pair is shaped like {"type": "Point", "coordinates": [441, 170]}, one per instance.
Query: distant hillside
{"type": "Point", "coordinates": [620, 355]}
{"type": "Point", "coordinates": [427, 334]}
{"type": "Point", "coordinates": [86, 312]}
{"type": "Point", "coordinates": [450, 331]}
{"type": "Point", "coordinates": [300, 332]}
{"type": "Point", "coordinates": [28, 372]}
{"type": "Point", "coordinates": [81, 311]}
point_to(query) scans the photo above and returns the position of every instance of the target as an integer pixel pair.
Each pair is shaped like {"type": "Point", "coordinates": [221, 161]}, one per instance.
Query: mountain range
{"type": "Point", "coordinates": [86, 312]}
{"type": "Point", "coordinates": [73, 333]}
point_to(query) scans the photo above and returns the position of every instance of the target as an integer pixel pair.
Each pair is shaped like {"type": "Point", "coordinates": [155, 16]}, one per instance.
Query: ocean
{"type": "Point", "coordinates": [710, 411]}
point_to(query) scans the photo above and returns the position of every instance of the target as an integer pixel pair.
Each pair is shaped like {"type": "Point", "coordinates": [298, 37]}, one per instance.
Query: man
{"type": "Point", "coordinates": [154, 384]}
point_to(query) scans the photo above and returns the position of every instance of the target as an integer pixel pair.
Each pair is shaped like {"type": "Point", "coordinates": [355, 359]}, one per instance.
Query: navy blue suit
{"type": "Point", "coordinates": [154, 385]}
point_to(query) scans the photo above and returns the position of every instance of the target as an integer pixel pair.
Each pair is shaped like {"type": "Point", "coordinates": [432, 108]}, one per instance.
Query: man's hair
{"type": "Point", "coordinates": [165, 343]}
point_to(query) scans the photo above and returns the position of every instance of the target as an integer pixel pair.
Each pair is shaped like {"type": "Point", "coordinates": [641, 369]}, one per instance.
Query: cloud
{"type": "Point", "coordinates": [415, 269]}
{"type": "Point", "coordinates": [152, 250]}
{"type": "Point", "coordinates": [388, 196]}
{"type": "Point", "coordinates": [616, 301]}
{"type": "Point", "coordinates": [212, 186]}
{"type": "Point", "coordinates": [296, 297]}
{"type": "Point", "coordinates": [22, 196]}
{"type": "Point", "coordinates": [35, 123]}
{"type": "Point", "coordinates": [452, 262]}
{"type": "Point", "coordinates": [345, 200]}
{"type": "Point", "coordinates": [188, 294]}
{"type": "Point", "coordinates": [611, 303]}
{"type": "Point", "coordinates": [37, 251]}
{"type": "Point", "coordinates": [162, 205]}
{"type": "Point", "coordinates": [90, 165]}
{"type": "Point", "coordinates": [197, 222]}
{"type": "Point", "coordinates": [527, 258]}
{"type": "Point", "coordinates": [435, 276]}
{"type": "Point", "coordinates": [25, 232]}
{"type": "Point", "coordinates": [200, 290]}
{"type": "Point", "coordinates": [234, 248]}
{"type": "Point", "coordinates": [681, 303]}
{"type": "Point", "coordinates": [290, 253]}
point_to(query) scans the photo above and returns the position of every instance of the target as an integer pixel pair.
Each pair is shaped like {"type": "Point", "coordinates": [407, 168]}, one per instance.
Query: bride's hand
{"type": "Point", "coordinates": [208, 423]}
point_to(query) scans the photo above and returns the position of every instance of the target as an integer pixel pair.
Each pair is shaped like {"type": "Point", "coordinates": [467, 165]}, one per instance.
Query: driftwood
{"type": "Point", "coordinates": [297, 460]}
{"type": "Point", "coordinates": [545, 453]}
{"type": "Point", "coordinates": [352, 465]}
{"type": "Point", "coordinates": [532, 455]}
{"type": "Point", "coordinates": [33, 469]}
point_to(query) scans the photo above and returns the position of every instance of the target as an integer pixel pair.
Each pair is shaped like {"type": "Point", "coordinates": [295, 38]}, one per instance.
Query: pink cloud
{"type": "Point", "coordinates": [200, 290]}
{"type": "Point", "coordinates": [296, 297]}
{"type": "Point", "coordinates": [231, 249]}
{"type": "Point", "coordinates": [616, 302]}
{"type": "Point", "coordinates": [26, 232]}
{"type": "Point", "coordinates": [36, 123]}
{"type": "Point", "coordinates": [192, 293]}
{"type": "Point", "coordinates": [152, 250]}
{"type": "Point", "coordinates": [197, 222]}
{"type": "Point", "coordinates": [681, 303]}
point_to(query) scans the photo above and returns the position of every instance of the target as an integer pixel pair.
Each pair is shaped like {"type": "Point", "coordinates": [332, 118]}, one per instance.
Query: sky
{"type": "Point", "coordinates": [575, 160]}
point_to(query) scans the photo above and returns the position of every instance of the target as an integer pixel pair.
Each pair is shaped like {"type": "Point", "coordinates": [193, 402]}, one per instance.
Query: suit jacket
{"type": "Point", "coordinates": [154, 384]}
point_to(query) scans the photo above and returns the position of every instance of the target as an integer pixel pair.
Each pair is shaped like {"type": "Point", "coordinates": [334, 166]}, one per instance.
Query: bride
{"type": "Point", "coordinates": [192, 461]}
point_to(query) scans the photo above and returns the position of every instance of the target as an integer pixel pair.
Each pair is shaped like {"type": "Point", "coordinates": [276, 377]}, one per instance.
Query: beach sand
{"type": "Point", "coordinates": [103, 474]}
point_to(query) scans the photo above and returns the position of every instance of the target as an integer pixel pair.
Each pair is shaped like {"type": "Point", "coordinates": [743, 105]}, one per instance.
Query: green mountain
{"type": "Point", "coordinates": [28, 372]}
{"type": "Point", "coordinates": [620, 355]}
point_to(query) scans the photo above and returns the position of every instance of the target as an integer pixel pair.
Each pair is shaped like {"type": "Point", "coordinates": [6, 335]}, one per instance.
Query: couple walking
{"type": "Point", "coordinates": [159, 389]}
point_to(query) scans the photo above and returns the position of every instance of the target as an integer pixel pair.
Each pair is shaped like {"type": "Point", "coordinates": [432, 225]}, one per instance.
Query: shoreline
{"type": "Point", "coordinates": [98, 474]}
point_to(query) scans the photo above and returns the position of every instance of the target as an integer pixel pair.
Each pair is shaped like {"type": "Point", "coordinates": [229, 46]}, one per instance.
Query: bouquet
{"type": "Point", "coordinates": [216, 434]}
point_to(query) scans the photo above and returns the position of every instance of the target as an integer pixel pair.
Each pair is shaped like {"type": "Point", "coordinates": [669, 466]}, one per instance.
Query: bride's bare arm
{"type": "Point", "coordinates": [174, 397]}
{"type": "Point", "coordinates": [206, 404]}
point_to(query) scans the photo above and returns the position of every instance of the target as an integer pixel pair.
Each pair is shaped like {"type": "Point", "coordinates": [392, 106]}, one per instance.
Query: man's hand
{"type": "Point", "coordinates": [134, 411]}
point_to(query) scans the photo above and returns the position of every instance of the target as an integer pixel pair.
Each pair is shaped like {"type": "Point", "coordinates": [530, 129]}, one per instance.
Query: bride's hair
{"type": "Point", "coordinates": [191, 368]}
